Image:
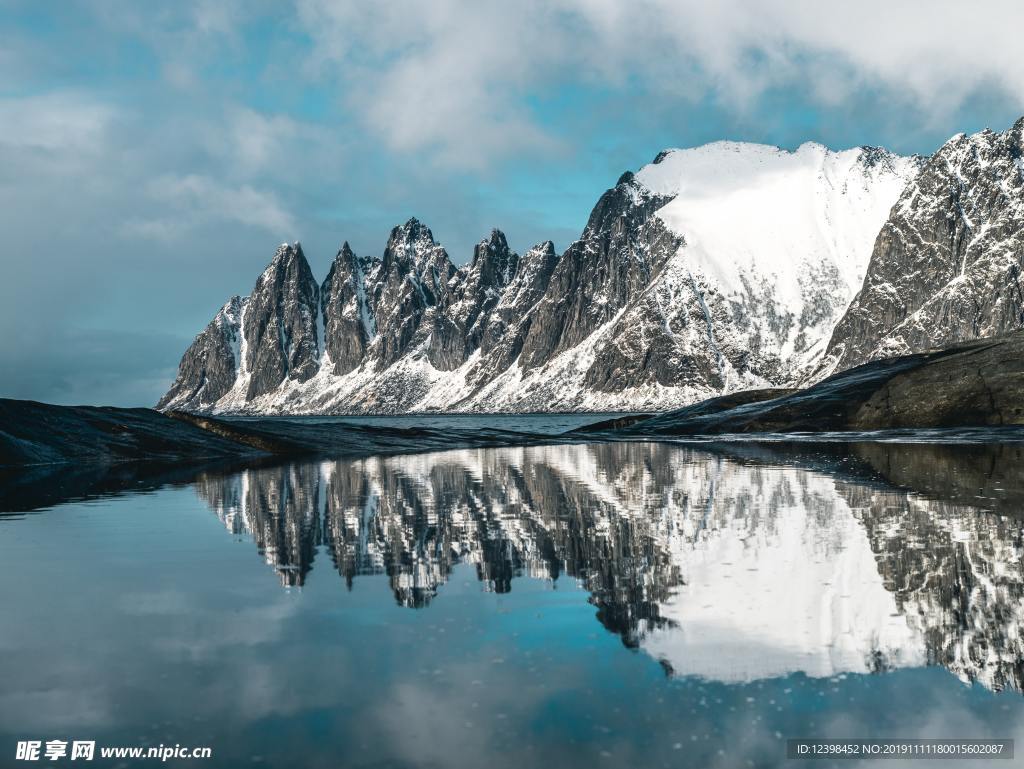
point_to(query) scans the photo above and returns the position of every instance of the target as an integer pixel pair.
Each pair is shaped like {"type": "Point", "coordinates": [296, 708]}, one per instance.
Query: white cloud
{"type": "Point", "coordinates": [54, 122]}
{"type": "Point", "coordinates": [258, 138]}
{"type": "Point", "coordinates": [248, 143]}
{"type": "Point", "coordinates": [453, 78]}
{"type": "Point", "coordinates": [195, 199]}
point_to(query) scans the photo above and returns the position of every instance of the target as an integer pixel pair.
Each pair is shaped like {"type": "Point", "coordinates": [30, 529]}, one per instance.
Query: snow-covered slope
{"type": "Point", "coordinates": [783, 237]}
{"type": "Point", "coordinates": [709, 270]}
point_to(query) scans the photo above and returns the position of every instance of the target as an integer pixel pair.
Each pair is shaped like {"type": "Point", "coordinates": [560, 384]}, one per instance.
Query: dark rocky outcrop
{"type": "Point", "coordinates": [974, 384]}
{"type": "Point", "coordinates": [491, 271]}
{"type": "Point", "coordinates": [947, 264]}
{"type": "Point", "coordinates": [508, 324]}
{"type": "Point", "coordinates": [279, 323]}
{"type": "Point", "coordinates": [349, 322]}
{"type": "Point", "coordinates": [209, 367]}
{"type": "Point", "coordinates": [609, 266]}
{"type": "Point", "coordinates": [704, 408]}
{"type": "Point", "coordinates": [40, 433]}
{"type": "Point", "coordinates": [411, 290]}
{"type": "Point", "coordinates": [256, 343]}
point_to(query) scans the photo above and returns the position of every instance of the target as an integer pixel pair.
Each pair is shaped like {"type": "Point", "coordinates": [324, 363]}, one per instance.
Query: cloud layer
{"type": "Point", "coordinates": [458, 82]}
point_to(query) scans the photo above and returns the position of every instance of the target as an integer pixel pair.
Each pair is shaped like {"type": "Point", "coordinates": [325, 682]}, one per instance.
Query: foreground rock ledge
{"type": "Point", "coordinates": [975, 384]}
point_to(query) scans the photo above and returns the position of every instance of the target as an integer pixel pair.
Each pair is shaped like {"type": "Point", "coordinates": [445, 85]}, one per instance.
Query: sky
{"type": "Point", "coordinates": [152, 156]}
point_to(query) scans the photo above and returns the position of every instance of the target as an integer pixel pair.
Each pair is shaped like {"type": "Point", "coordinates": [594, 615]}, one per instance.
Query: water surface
{"type": "Point", "coordinates": [536, 424]}
{"type": "Point", "coordinates": [616, 604]}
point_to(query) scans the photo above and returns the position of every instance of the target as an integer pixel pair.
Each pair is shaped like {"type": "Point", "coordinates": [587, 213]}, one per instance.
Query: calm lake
{"type": "Point", "coordinates": [586, 605]}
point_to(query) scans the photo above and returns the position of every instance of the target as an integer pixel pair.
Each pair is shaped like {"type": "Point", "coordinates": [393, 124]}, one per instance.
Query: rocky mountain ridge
{"type": "Point", "coordinates": [667, 297]}
{"type": "Point", "coordinates": [946, 267]}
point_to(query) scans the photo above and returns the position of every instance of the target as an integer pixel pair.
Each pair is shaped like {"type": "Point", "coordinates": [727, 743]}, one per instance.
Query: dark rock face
{"type": "Point", "coordinates": [491, 271]}
{"type": "Point", "coordinates": [209, 367]}
{"type": "Point", "coordinates": [78, 436]}
{"type": "Point", "coordinates": [378, 310]}
{"type": "Point", "coordinates": [610, 265]}
{"type": "Point", "coordinates": [256, 343]}
{"type": "Point", "coordinates": [349, 322]}
{"type": "Point", "coordinates": [279, 324]}
{"type": "Point", "coordinates": [410, 290]}
{"type": "Point", "coordinates": [704, 408]}
{"type": "Point", "coordinates": [506, 326]}
{"type": "Point", "coordinates": [947, 265]}
{"type": "Point", "coordinates": [667, 338]}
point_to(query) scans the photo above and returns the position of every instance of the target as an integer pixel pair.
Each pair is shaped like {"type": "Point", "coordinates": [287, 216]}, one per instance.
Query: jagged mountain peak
{"type": "Point", "coordinates": [348, 261]}
{"type": "Point", "coordinates": [289, 250]}
{"type": "Point", "coordinates": [287, 258]}
{"type": "Point", "coordinates": [231, 310]}
{"type": "Point", "coordinates": [493, 263]}
{"type": "Point", "coordinates": [209, 368]}
{"type": "Point", "coordinates": [279, 325]}
{"type": "Point", "coordinates": [495, 240]}
{"type": "Point", "coordinates": [879, 158]}
{"type": "Point", "coordinates": [411, 247]}
{"type": "Point", "coordinates": [627, 205]}
{"type": "Point", "coordinates": [946, 266]}
{"type": "Point", "coordinates": [983, 144]}
{"type": "Point", "coordinates": [546, 247]}
{"type": "Point", "coordinates": [411, 232]}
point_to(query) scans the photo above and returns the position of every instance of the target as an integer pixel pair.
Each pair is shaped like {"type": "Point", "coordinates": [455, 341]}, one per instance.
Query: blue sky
{"type": "Point", "coordinates": [153, 157]}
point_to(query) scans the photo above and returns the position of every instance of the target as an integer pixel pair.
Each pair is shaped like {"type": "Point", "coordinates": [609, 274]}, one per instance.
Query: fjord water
{"type": "Point", "coordinates": [536, 424]}
{"type": "Point", "coordinates": [609, 604]}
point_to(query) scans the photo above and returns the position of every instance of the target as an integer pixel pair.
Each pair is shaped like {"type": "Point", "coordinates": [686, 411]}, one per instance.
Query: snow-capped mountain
{"type": "Point", "coordinates": [947, 264]}
{"type": "Point", "coordinates": [711, 269]}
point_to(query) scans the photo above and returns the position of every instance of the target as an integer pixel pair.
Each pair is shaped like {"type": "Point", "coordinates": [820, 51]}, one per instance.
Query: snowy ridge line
{"type": "Point", "coordinates": [713, 269]}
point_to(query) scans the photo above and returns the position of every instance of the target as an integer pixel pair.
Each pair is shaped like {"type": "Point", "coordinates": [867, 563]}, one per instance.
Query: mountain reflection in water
{"type": "Point", "coordinates": [857, 558]}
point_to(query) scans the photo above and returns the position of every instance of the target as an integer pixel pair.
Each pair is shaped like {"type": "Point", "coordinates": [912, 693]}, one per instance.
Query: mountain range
{"type": "Point", "coordinates": [721, 268]}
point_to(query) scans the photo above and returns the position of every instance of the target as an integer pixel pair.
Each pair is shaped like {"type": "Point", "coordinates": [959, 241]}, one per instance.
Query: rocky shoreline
{"type": "Point", "coordinates": [972, 385]}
